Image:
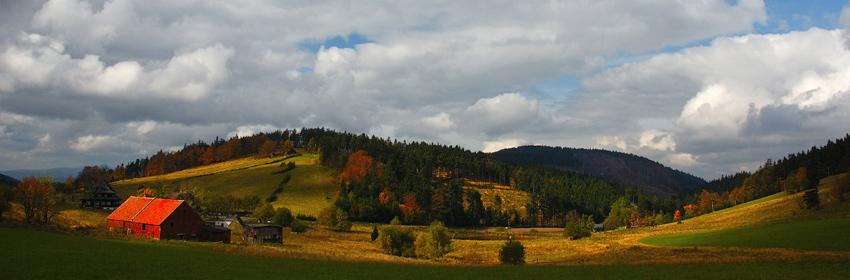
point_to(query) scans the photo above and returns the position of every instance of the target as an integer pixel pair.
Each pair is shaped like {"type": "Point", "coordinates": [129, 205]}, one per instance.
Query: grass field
{"type": "Point", "coordinates": [817, 235]}
{"type": "Point", "coordinates": [311, 188]}
{"type": "Point", "coordinates": [41, 255]}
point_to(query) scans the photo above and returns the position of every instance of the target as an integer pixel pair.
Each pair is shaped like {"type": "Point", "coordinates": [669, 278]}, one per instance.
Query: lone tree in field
{"type": "Point", "coordinates": [375, 233]}
{"type": "Point", "coordinates": [512, 253]}
{"type": "Point", "coordinates": [334, 218]}
{"type": "Point", "coordinates": [283, 217]}
{"type": "Point", "coordinates": [434, 243]}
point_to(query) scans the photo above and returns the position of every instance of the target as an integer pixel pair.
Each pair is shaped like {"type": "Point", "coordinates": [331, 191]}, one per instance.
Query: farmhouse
{"type": "Point", "coordinates": [163, 219]}
{"type": "Point", "coordinates": [102, 196]}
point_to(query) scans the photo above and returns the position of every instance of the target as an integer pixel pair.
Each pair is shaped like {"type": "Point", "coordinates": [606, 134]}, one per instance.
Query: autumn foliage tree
{"type": "Point", "coordinates": [358, 166]}
{"type": "Point", "coordinates": [37, 198]}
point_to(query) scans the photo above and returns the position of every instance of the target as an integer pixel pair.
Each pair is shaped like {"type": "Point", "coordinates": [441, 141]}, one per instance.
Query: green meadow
{"type": "Point", "coordinates": [816, 235]}
{"type": "Point", "coordinates": [42, 255]}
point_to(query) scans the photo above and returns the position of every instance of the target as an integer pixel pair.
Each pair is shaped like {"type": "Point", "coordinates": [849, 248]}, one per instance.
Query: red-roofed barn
{"type": "Point", "coordinates": [161, 219]}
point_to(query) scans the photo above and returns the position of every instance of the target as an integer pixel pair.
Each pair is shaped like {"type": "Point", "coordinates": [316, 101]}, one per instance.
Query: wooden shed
{"type": "Point", "coordinates": [261, 233]}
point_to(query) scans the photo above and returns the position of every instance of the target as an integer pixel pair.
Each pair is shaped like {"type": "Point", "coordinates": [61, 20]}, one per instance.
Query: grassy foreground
{"type": "Point", "coordinates": [817, 235]}
{"type": "Point", "coordinates": [42, 255]}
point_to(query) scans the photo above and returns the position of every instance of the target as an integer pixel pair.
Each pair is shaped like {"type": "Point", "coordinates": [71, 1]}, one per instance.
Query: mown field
{"type": "Point", "coordinates": [311, 188]}
{"type": "Point", "coordinates": [42, 255]}
{"type": "Point", "coordinates": [817, 235]}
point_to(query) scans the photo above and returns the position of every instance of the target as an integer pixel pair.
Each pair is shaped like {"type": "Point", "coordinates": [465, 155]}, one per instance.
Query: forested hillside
{"type": "Point", "coordinates": [621, 168]}
{"type": "Point", "coordinates": [416, 182]}
{"type": "Point", "coordinates": [800, 172]}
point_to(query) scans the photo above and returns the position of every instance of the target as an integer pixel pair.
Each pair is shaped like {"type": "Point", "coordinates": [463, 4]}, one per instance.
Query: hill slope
{"type": "Point", "coordinates": [616, 167]}
{"type": "Point", "coordinates": [8, 180]}
{"type": "Point", "coordinates": [307, 192]}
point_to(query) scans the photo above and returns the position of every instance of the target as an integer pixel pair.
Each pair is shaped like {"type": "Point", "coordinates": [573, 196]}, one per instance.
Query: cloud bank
{"type": "Point", "coordinates": [93, 82]}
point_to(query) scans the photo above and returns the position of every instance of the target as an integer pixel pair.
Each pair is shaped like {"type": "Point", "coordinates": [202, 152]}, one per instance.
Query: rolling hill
{"type": "Point", "coordinates": [310, 189]}
{"type": "Point", "coordinates": [620, 168]}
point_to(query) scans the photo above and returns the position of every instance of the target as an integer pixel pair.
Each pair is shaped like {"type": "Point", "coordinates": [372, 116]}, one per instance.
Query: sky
{"type": "Point", "coordinates": [708, 87]}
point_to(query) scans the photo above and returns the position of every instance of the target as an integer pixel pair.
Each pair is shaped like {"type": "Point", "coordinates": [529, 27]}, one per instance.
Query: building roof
{"type": "Point", "coordinates": [145, 210]}
{"type": "Point", "coordinates": [102, 187]}
{"type": "Point", "coordinates": [216, 229]}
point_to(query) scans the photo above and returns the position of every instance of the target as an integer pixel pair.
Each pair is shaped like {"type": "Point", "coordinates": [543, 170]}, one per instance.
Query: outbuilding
{"type": "Point", "coordinates": [163, 219]}
{"type": "Point", "coordinates": [101, 196]}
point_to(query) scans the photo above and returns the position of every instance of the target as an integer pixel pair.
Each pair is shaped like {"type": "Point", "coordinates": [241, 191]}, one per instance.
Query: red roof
{"type": "Point", "coordinates": [145, 210]}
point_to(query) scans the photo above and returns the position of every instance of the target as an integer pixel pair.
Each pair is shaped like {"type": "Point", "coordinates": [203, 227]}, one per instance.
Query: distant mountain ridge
{"type": "Point", "coordinates": [622, 168]}
{"type": "Point", "coordinates": [58, 174]}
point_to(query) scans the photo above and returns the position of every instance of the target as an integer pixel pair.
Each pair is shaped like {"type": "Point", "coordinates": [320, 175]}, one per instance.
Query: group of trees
{"type": "Point", "coordinates": [420, 182]}
{"type": "Point", "coordinates": [435, 242]}
{"type": "Point", "coordinates": [281, 216]}
{"type": "Point", "coordinates": [201, 153]}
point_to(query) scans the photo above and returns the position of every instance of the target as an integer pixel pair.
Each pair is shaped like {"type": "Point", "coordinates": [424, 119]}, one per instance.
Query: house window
{"type": "Point", "coordinates": [172, 224]}
{"type": "Point", "coordinates": [143, 227]}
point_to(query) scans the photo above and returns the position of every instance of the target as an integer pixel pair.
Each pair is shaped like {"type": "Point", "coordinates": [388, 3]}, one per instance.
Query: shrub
{"type": "Point", "coordinates": [396, 241]}
{"type": "Point", "coordinates": [434, 243]}
{"type": "Point", "coordinates": [512, 253]}
{"type": "Point", "coordinates": [264, 212]}
{"type": "Point", "coordinates": [395, 221]}
{"type": "Point", "coordinates": [575, 231]}
{"type": "Point", "coordinates": [283, 217]}
{"type": "Point", "coordinates": [298, 226]}
{"type": "Point", "coordinates": [305, 217]}
{"type": "Point", "coordinates": [841, 187]}
{"type": "Point", "coordinates": [811, 198]}
{"type": "Point", "coordinates": [334, 218]}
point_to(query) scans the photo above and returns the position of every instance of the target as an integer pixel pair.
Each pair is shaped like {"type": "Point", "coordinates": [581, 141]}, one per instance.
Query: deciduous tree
{"type": "Point", "coordinates": [37, 198]}
{"type": "Point", "coordinates": [434, 243]}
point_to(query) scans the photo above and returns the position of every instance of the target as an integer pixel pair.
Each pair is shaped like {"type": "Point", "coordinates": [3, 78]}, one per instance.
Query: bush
{"type": "Point", "coordinates": [283, 217]}
{"type": "Point", "coordinates": [395, 221]}
{"type": "Point", "coordinates": [434, 243]}
{"type": "Point", "coordinates": [841, 187]}
{"type": "Point", "coordinates": [298, 226]}
{"type": "Point", "coordinates": [396, 241]}
{"type": "Point", "coordinates": [811, 198]}
{"type": "Point", "coordinates": [305, 217]}
{"type": "Point", "coordinates": [574, 231]}
{"type": "Point", "coordinates": [512, 253]}
{"type": "Point", "coordinates": [263, 213]}
{"type": "Point", "coordinates": [334, 218]}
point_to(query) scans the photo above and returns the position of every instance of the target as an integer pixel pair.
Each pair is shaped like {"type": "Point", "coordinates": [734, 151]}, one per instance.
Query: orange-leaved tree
{"type": "Point", "coordinates": [36, 197]}
{"type": "Point", "coordinates": [358, 166]}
